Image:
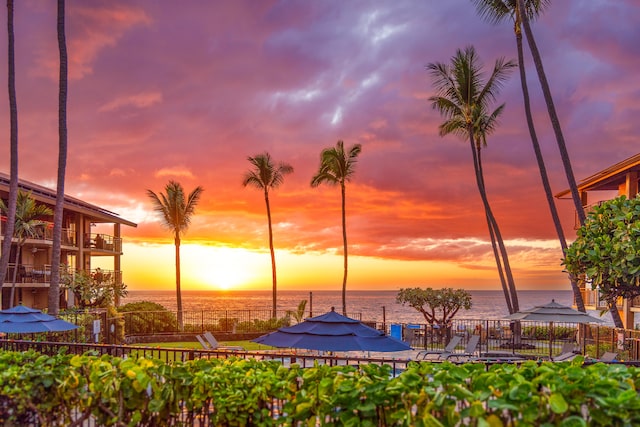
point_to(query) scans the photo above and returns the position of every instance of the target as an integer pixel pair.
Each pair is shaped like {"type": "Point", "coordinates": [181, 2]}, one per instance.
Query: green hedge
{"type": "Point", "coordinates": [236, 392]}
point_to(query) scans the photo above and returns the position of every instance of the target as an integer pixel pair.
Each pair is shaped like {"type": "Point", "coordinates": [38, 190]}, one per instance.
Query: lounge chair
{"type": "Point", "coordinates": [568, 352]}
{"type": "Point", "coordinates": [203, 343]}
{"type": "Point", "coordinates": [213, 342]}
{"type": "Point", "coordinates": [468, 353]}
{"type": "Point", "coordinates": [608, 357]}
{"type": "Point", "coordinates": [437, 354]}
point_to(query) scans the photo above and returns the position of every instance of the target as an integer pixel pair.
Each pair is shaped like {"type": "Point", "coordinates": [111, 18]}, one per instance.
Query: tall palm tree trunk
{"type": "Point", "coordinates": [178, 291]}
{"type": "Point", "coordinates": [553, 116]}
{"type": "Point", "coordinates": [615, 315]}
{"type": "Point", "coordinates": [273, 257]}
{"type": "Point", "coordinates": [344, 240]}
{"type": "Point", "coordinates": [54, 288]}
{"type": "Point", "coordinates": [577, 295]}
{"type": "Point", "coordinates": [496, 254]}
{"type": "Point", "coordinates": [513, 297]}
{"type": "Point", "coordinates": [18, 260]}
{"type": "Point", "coordinates": [13, 183]}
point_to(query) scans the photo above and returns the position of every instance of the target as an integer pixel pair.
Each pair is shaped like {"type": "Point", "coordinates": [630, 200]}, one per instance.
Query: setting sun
{"type": "Point", "coordinates": [209, 267]}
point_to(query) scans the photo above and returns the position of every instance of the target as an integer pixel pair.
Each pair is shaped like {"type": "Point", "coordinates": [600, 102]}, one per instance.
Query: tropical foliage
{"type": "Point", "coordinates": [97, 289]}
{"type": "Point", "coordinates": [337, 167]}
{"type": "Point", "coordinates": [137, 323]}
{"type": "Point", "coordinates": [438, 306]}
{"type": "Point", "coordinates": [29, 216]}
{"type": "Point", "coordinates": [108, 390]}
{"type": "Point", "coordinates": [176, 211]}
{"type": "Point", "coordinates": [267, 175]}
{"type": "Point", "coordinates": [606, 250]}
{"type": "Point", "coordinates": [463, 98]}
{"type": "Point", "coordinates": [298, 314]}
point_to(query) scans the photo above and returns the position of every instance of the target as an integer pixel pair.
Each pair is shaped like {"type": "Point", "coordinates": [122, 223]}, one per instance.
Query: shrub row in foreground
{"type": "Point", "coordinates": [56, 391]}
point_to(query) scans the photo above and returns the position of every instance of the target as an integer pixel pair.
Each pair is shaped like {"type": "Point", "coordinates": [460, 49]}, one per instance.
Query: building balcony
{"type": "Point", "coordinates": [44, 233]}
{"type": "Point", "coordinates": [28, 275]}
{"type": "Point", "coordinates": [102, 244]}
{"type": "Point", "coordinates": [594, 301]}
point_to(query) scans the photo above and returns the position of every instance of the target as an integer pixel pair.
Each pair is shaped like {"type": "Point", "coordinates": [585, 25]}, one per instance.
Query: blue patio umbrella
{"type": "Point", "coordinates": [332, 332]}
{"type": "Point", "coordinates": [24, 320]}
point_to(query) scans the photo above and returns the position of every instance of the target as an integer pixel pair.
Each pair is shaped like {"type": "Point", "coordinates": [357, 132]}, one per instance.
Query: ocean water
{"type": "Point", "coordinates": [367, 305]}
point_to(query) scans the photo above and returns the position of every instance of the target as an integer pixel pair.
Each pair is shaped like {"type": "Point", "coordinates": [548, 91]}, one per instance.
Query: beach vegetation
{"type": "Point", "coordinates": [29, 216]}
{"type": "Point", "coordinates": [139, 322]}
{"type": "Point", "coordinates": [298, 313]}
{"type": "Point", "coordinates": [266, 175]}
{"type": "Point", "coordinates": [543, 332]}
{"type": "Point", "coordinates": [496, 11]}
{"type": "Point", "coordinates": [437, 306]}
{"type": "Point", "coordinates": [606, 252]}
{"type": "Point", "coordinates": [176, 211]}
{"type": "Point", "coordinates": [68, 389]}
{"type": "Point", "coordinates": [95, 289]}
{"type": "Point", "coordinates": [58, 210]}
{"type": "Point", "coordinates": [337, 167]}
{"type": "Point", "coordinates": [463, 97]}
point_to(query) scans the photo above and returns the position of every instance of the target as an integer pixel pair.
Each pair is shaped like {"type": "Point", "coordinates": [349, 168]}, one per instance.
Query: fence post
{"type": "Point", "coordinates": [384, 319]}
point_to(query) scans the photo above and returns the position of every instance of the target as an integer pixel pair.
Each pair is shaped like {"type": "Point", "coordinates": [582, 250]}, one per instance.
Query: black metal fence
{"type": "Point", "coordinates": [531, 339]}
{"type": "Point", "coordinates": [145, 323]}
{"type": "Point", "coordinates": [165, 354]}
{"type": "Point", "coordinates": [528, 339]}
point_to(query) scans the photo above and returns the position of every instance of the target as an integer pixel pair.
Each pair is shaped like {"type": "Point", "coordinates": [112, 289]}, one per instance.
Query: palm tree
{"type": "Point", "coordinates": [13, 183]}
{"type": "Point", "coordinates": [551, 109]}
{"type": "Point", "coordinates": [54, 288]}
{"type": "Point", "coordinates": [463, 98]}
{"type": "Point", "coordinates": [27, 219]}
{"type": "Point", "coordinates": [337, 167]}
{"type": "Point", "coordinates": [496, 11]}
{"type": "Point", "coordinates": [266, 175]}
{"type": "Point", "coordinates": [176, 213]}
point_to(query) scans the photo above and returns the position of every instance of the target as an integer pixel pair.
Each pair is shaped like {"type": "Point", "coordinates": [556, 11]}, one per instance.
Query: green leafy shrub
{"type": "Point", "coordinates": [144, 317]}
{"type": "Point", "coordinates": [53, 391]}
{"type": "Point", "coordinates": [541, 332]}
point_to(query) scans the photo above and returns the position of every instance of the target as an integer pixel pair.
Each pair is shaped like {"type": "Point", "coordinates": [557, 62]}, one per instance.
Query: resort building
{"type": "Point", "coordinates": [619, 179]}
{"type": "Point", "coordinates": [80, 245]}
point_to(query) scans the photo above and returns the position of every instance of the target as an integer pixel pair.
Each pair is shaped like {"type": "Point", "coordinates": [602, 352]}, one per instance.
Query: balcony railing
{"type": "Point", "coordinates": [592, 299]}
{"type": "Point", "coordinates": [44, 232]}
{"type": "Point", "coordinates": [103, 242]}
{"type": "Point", "coordinates": [28, 273]}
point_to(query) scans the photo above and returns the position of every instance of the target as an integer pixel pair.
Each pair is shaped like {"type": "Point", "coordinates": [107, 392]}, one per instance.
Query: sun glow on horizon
{"type": "Point", "coordinates": [207, 267]}
{"type": "Point", "coordinates": [222, 267]}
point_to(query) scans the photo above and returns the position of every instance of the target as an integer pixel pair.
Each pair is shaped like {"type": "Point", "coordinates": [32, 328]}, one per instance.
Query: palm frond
{"type": "Point", "coordinates": [497, 11]}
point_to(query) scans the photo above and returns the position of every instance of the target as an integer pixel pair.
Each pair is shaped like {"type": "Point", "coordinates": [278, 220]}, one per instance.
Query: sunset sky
{"type": "Point", "coordinates": [187, 90]}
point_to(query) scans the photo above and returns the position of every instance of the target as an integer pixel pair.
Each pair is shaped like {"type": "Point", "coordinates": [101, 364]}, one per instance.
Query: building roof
{"type": "Point", "coordinates": [46, 195]}
{"type": "Point", "coordinates": [609, 178]}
